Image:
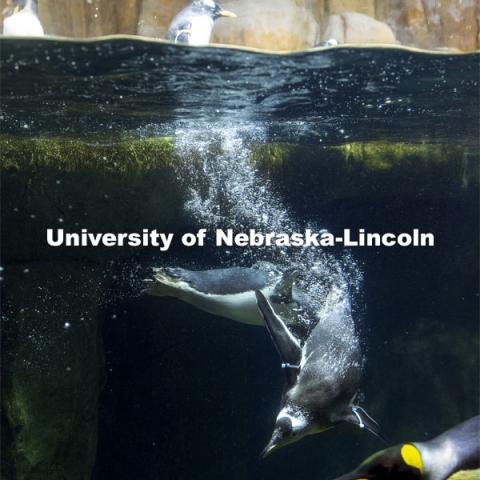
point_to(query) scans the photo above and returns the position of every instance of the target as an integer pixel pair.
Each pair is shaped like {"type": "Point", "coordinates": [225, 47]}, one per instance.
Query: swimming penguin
{"type": "Point", "coordinates": [454, 450]}
{"type": "Point", "coordinates": [194, 24]}
{"type": "Point", "coordinates": [24, 22]}
{"type": "Point", "coordinates": [229, 292]}
{"type": "Point", "coordinates": [322, 376]}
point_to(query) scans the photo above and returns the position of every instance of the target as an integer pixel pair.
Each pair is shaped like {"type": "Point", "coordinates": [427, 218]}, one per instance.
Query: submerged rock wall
{"type": "Point", "coordinates": [273, 24]}
{"type": "Point", "coordinates": [51, 370]}
{"type": "Point", "coordinates": [47, 183]}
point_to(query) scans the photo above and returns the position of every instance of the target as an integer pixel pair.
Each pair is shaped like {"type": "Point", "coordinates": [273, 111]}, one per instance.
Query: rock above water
{"type": "Point", "coordinates": [352, 27]}
{"type": "Point", "coordinates": [274, 24]}
{"type": "Point", "coordinates": [279, 25]}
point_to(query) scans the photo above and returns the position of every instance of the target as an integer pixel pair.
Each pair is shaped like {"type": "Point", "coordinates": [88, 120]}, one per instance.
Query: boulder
{"type": "Point", "coordinates": [432, 25]}
{"type": "Point", "coordinates": [334, 7]}
{"type": "Point", "coordinates": [353, 27]}
{"type": "Point", "coordinates": [272, 25]}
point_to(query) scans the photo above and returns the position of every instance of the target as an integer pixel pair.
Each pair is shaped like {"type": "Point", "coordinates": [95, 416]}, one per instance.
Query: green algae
{"type": "Point", "coordinates": [73, 154]}
{"type": "Point", "coordinates": [49, 183]}
{"type": "Point", "coordinates": [148, 153]}
{"type": "Point", "coordinates": [380, 156]}
{"type": "Point", "coordinates": [371, 169]}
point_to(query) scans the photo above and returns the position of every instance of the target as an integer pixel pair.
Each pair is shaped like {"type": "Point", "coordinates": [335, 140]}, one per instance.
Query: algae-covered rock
{"type": "Point", "coordinates": [131, 184]}
{"type": "Point", "coordinates": [51, 370]}
{"type": "Point", "coordinates": [122, 156]}
{"type": "Point", "coordinates": [371, 169]}
{"type": "Point", "coordinates": [51, 183]}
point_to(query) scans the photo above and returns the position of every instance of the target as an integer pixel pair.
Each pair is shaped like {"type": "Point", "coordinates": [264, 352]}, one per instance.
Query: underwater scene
{"type": "Point", "coordinates": [151, 327]}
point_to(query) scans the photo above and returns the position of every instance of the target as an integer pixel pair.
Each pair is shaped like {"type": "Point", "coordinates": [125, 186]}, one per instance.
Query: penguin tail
{"type": "Point", "coordinates": [358, 416]}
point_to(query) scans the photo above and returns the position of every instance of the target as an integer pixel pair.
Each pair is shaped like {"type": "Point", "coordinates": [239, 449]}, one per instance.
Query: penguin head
{"type": "Point", "coordinates": [402, 462]}
{"type": "Point", "coordinates": [22, 4]}
{"type": "Point", "coordinates": [290, 426]}
{"type": "Point", "coordinates": [211, 8]}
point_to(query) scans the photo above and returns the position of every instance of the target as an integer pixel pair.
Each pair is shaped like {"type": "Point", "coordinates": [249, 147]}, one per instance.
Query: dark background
{"type": "Point", "coordinates": [190, 395]}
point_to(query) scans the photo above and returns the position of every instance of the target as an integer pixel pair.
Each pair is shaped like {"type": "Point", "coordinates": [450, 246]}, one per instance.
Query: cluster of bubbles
{"type": "Point", "coordinates": [226, 190]}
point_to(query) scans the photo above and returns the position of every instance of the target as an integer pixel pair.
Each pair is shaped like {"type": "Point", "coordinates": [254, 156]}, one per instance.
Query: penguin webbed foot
{"type": "Point", "coordinates": [283, 293]}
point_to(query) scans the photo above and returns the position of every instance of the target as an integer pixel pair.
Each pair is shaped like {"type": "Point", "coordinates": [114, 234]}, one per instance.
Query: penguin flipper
{"type": "Point", "coordinates": [359, 417]}
{"type": "Point", "coordinates": [179, 32]}
{"type": "Point", "coordinates": [286, 344]}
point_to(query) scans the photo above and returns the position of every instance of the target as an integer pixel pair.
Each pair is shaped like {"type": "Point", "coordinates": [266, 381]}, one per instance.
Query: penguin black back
{"type": "Point", "coordinates": [322, 375]}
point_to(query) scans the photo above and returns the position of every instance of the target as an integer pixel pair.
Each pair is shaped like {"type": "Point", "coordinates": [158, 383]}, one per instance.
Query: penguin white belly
{"type": "Point", "coordinates": [23, 24]}
{"type": "Point", "coordinates": [241, 307]}
{"type": "Point", "coordinates": [201, 30]}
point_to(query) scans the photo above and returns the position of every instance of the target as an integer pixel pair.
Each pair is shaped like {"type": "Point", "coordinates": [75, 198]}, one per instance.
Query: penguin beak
{"type": "Point", "coordinates": [272, 445]}
{"type": "Point", "coordinates": [226, 13]}
{"type": "Point", "coordinates": [267, 451]}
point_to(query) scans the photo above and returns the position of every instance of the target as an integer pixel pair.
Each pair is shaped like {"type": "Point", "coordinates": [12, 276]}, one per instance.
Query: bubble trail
{"type": "Point", "coordinates": [225, 190]}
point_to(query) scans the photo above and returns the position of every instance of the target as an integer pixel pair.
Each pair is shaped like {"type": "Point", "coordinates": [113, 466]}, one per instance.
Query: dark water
{"type": "Point", "coordinates": [183, 394]}
{"type": "Point", "coordinates": [119, 86]}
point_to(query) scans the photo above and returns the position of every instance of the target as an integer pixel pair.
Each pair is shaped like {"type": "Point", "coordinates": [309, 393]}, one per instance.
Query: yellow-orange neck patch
{"type": "Point", "coordinates": [411, 456]}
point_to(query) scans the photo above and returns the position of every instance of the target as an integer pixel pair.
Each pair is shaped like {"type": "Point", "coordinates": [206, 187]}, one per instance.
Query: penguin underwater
{"type": "Point", "coordinates": [194, 24]}
{"type": "Point", "coordinates": [24, 23]}
{"type": "Point", "coordinates": [322, 376]}
{"type": "Point", "coordinates": [454, 450]}
{"type": "Point", "coordinates": [230, 292]}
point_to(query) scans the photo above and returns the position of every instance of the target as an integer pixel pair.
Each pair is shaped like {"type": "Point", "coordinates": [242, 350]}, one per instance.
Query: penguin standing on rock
{"type": "Point", "coordinates": [455, 450]}
{"type": "Point", "coordinates": [322, 375]}
{"type": "Point", "coordinates": [24, 22]}
{"type": "Point", "coordinates": [194, 24]}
